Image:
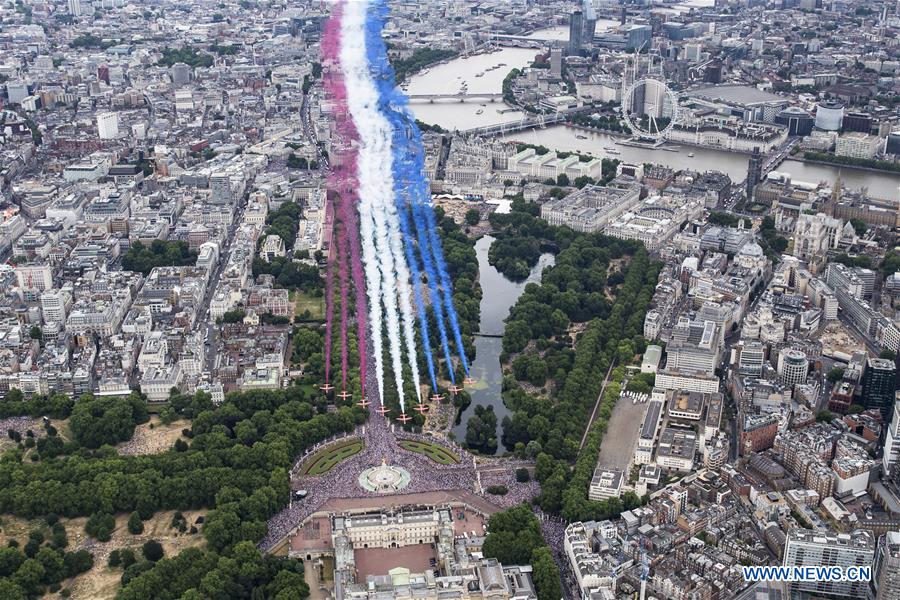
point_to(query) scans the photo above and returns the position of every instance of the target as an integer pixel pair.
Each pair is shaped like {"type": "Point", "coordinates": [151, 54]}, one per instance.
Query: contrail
{"type": "Point", "coordinates": [342, 248]}
{"type": "Point", "coordinates": [342, 180]}
{"type": "Point", "coordinates": [382, 76]}
{"type": "Point", "coordinates": [438, 253]}
{"type": "Point", "coordinates": [408, 138]}
{"type": "Point", "coordinates": [404, 179]}
{"type": "Point", "coordinates": [329, 291]}
{"type": "Point", "coordinates": [374, 176]}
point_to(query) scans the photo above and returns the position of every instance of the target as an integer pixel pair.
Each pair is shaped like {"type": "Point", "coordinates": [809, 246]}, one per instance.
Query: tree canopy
{"type": "Point", "coordinates": [100, 420]}
{"type": "Point", "coordinates": [143, 259]}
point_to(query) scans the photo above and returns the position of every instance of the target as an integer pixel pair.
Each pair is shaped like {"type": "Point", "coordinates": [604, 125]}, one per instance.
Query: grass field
{"type": "Point", "coordinates": [303, 302]}
{"type": "Point", "coordinates": [103, 582]}
{"type": "Point", "coordinates": [328, 458]}
{"type": "Point", "coordinates": [438, 454]}
{"type": "Point", "coordinates": [153, 437]}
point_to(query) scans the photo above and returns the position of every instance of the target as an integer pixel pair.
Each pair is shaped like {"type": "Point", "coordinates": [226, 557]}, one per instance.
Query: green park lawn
{"type": "Point", "coordinates": [328, 458]}
{"type": "Point", "coordinates": [303, 302]}
{"type": "Point", "coordinates": [436, 453]}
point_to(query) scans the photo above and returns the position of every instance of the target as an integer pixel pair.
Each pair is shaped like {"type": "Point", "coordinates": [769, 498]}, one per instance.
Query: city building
{"type": "Point", "coordinates": [757, 432]}
{"type": "Point", "coordinates": [886, 570]}
{"type": "Point", "coordinates": [590, 209]}
{"type": "Point", "coordinates": [676, 449]}
{"type": "Point", "coordinates": [108, 126]}
{"type": "Point", "coordinates": [693, 347]}
{"type": "Point", "coordinates": [815, 234]}
{"type": "Point", "coordinates": [798, 121]}
{"type": "Point", "coordinates": [576, 32]}
{"type": "Point", "coordinates": [879, 385]}
{"type": "Point", "coordinates": [829, 115]}
{"type": "Point", "coordinates": [855, 144]}
{"type": "Point", "coordinates": [754, 171]}
{"type": "Point", "coordinates": [817, 549]}
{"type": "Point", "coordinates": [793, 366]}
{"type": "Point", "coordinates": [606, 483]}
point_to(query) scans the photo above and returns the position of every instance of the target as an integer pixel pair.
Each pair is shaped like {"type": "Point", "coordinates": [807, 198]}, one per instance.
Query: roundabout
{"type": "Point", "coordinates": [384, 479]}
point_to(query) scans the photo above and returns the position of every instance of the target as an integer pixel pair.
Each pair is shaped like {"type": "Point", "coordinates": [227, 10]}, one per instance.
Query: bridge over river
{"type": "Point", "coordinates": [459, 97]}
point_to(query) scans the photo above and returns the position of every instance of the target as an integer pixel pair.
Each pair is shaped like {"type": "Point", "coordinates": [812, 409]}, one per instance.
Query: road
{"type": "Point", "coordinates": [596, 406]}
{"type": "Point", "coordinates": [730, 340]}
{"type": "Point", "coordinates": [208, 326]}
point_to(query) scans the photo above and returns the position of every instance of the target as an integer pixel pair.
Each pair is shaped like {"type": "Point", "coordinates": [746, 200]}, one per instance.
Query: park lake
{"type": "Point", "coordinates": [499, 294]}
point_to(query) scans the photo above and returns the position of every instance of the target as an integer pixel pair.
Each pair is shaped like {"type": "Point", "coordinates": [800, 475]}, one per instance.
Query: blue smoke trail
{"type": "Point", "coordinates": [430, 273]}
{"type": "Point", "coordinates": [409, 169]}
{"type": "Point", "coordinates": [403, 173]}
{"type": "Point", "coordinates": [445, 282]}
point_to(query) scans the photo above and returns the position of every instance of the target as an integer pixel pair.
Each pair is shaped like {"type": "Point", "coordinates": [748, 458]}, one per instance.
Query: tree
{"type": "Point", "coordinates": [11, 591]}
{"type": "Point", "coordinates": [78, 562]}
{"type": "Point", "coordinates": [135, 524]}
{"type": "Point", "coordinates": [545, 574]}
{"type": "Point", "coordinates": [115, 559]}
{"type": "Point", "coordinates": [513, 536]}
{"type": "Point", "coordinates": [562, 180]}
{"type": "Point", "coordinates": [100, 526]}
{"type": "Point", "coordinates": [297, 162]}
{"type": "Point", "coordinates": [891, 263]}
{"type": "Point", "coordinates": [835, 374]}
{"type": "Point", "coordinates": [481, 430]}
{"type": "Point", "coordinates": [96, 421]}
{"type": "Point", "coordinates": [54, 566]}
{"type": "Point", "coordinates": [35, 333]}
{"type": "Point", "coordinates": [127, 557]}
{"type": "Point", "coordinates": [473, 216]}
{"type": "Point", "coordinates": [859, 226]}
{"type": "Point", "coordinates": [10, 561]}
{"type": "Point", "coordinates": [824, 416]}
{"type": "Point", "coordinates": [143, 259]}
{"type": "Point", "coordinates": [234, 316]}
{"type": "Point", "coordinates": [29, 577]}
{"type": "Point", "coordinates": [522, 475]}
{"type": "Point", "coordinates": [152, 550]}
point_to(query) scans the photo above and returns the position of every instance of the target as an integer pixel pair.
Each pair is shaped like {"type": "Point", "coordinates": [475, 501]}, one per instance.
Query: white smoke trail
{"type": "Point", "coordinates": [396, 240]}
{"type": "Point", "coordinates": [350, 54]}
{"type": "Point", "coordinates": [376, 187]}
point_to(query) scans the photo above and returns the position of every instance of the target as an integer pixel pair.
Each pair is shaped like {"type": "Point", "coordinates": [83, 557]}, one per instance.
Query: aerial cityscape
{"type": "Point", "coordinates": [450, 300]}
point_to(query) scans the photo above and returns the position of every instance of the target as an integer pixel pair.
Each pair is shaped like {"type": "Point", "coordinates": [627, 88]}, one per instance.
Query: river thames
{"type": "Point", "coordinates": [449, 78]}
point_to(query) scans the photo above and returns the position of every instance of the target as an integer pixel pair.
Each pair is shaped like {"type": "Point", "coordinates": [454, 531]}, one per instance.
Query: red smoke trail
{"type": "Point", "coordinates": [329, 296]}
{"type": "Point", "coordinates": [345, 297]}
{"type": "Point", "coordinates": [343, 182]}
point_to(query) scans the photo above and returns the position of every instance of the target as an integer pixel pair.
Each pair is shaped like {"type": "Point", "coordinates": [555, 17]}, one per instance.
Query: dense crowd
{"type": "Point", "coordinates": [381, 446]}
{"type": "Point", "coordinates": [343, 481]}
{"type": "Point", "coordinates": [425, 475]}
{"type": "Point", "coordinates": [517, 492]}
{"type": "Point", "coordinates": [21, 425]}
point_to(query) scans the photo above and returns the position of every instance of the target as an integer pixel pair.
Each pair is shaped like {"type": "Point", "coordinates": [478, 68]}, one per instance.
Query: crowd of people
{"type": "Point", "coordinates": [20, 425]}
{"type": "Point", "coordinates": [553, 529]}
{"type": "Point", "coordinates": [425, 475]}
{"type": "Point", "coordinates": [517, 492]}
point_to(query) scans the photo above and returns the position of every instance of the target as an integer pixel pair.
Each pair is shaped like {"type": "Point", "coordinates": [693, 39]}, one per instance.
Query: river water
{"type": "Point", "coordinates": [448, 78]}
{"type": "Point", "coordinates": [498, 296]}
{"type": "Point", "coordinates": [563, 138]}
{"type": "Point", "coordinates": [500, 293]}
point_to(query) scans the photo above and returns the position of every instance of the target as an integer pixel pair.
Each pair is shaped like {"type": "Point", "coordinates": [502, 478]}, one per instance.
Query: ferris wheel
{"type": "Point", "coordinates": [650, 108]}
